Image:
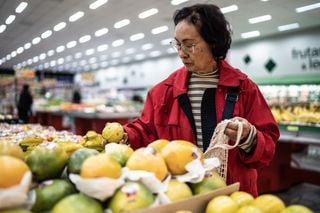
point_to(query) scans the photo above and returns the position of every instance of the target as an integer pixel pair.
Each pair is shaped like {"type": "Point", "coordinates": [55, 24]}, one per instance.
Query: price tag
{"type": "Point", "coordinates": [292, 128]}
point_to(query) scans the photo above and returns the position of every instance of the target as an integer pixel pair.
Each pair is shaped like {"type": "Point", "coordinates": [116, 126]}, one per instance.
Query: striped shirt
{"type": "Point", "coordinates": [198, 83]}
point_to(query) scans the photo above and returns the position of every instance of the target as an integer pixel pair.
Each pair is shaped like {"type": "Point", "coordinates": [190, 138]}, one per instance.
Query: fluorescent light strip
{"type": "Point", "coordinates": [84, 39]}
{"type": "Point", "coordinates": [21, 7]}
{"type": "Point", "coordinates": [307, 7]}
{"type": "Point", "coordinates": [76, 16]}
{"type": "Point", "coordinates": [102, 47]}
{"type": "Point", "coordinates": [177, 2]}
{"type": "Point", "coordinates": [158, 30]}
{"type": "Point", "coordinates": [148, 13]}
{"type": "Point", "coordinates": [118, 42]}
{"type": "Point", "coordinates": [59, 26]}
{"type": "Point", "coordinates": [166, 41]}
{"type": "Point", "coordinates": [229, 9]}
{"type": "Point", "coordinates": [260, 19]}
{"type": "Point", "coordinates": [2, 28]}
{"type": "Point", "coordinates": [101, 32]}
{"type": "Point", "coordinates": [147, 46]}
{"type": "Point", "coordinates": [71, 44]}
{"type": "Point", "coordinates": [288, 27]}
{"type": "Point", "coordinates": [250, 34]}
{"type": "Point", "coordinates": [10, 19]}
{"type": "Point", "coordinates": [121, 23]}
{"type": "Point", "coordinates": [97, 4]}
{"type": "Point", "coordinates": [136, 37]}
{"type": "Point", "coordinates": [36, 40]}
{"type": "Point", "coordinates": [46, 34]}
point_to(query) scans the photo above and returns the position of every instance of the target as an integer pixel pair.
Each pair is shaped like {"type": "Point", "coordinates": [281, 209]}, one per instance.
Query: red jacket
{"type": "Point", "coordinates": [163, 117]}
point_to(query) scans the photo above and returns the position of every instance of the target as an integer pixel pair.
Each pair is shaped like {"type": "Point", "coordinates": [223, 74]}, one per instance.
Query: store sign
{"type": "Point", "coordinates": [309, 56]}
{"type": "Point", "coordinates": [25, 74]}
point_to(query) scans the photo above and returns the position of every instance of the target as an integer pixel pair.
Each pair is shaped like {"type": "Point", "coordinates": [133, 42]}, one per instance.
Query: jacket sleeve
{"type": "Point", "coordinates": [142, 131]}
{"type": "Point", "coordinates": [258, 113]}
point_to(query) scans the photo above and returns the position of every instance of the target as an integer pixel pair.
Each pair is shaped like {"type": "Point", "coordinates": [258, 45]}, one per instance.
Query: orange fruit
{"type": "Point", "coordinates": [178, 153]}
{"type": "Point", "coordinates": [12, 171]}
{"type": "Point", "coordinates": [148, 159]}
{"type": "Point", "coordinates": [159, 144]}
{"type": "Point", "coordinates": [100, 165]}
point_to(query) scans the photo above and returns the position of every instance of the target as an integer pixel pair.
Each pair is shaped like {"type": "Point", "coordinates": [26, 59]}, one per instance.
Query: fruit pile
{"type": "Point", "coordinates": [243, 202]}
{"type": "Point", "coordinates": [97, 172]}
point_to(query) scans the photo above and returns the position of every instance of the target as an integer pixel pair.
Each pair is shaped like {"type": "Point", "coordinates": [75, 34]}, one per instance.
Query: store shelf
{"type": "Point", "coordinates": [289, 80]}
{"type": "Point", "coordinates": [305, 162]}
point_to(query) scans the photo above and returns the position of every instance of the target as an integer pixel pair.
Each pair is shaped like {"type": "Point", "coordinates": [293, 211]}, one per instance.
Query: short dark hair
{"type": "Point", "coordinates": [211, 24]}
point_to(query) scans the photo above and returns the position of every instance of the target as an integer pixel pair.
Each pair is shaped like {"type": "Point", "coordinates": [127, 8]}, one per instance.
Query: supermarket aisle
{"type": "Point", "coordinates": [303, 193]}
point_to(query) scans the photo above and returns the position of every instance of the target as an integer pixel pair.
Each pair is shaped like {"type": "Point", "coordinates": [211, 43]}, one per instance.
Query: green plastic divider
{"type": "Point", "coordinates": [289, 80]}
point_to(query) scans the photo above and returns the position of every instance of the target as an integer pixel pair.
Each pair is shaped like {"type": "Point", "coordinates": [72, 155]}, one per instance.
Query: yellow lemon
{"type": "Point", "coordinates": [178, 191]}
{"type": "Point", "coordinates": [269, 203]}
{"type": "Point", "coordinates": [159, 144]}
{"type": "Point", "coordinates": [242, 198]}
{"type": "Point", "coordinates": [222, 204]}
{"type": "Point", "coordinates": [100, 165]}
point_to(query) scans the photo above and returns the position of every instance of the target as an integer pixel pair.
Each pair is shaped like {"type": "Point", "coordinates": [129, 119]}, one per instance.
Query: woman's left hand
{"type": "Point", "coordinates": [232, 128]}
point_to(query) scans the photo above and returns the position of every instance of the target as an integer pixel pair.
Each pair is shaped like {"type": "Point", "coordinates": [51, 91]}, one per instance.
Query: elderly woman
{"type": "Point", "coordinates": [206, 90]}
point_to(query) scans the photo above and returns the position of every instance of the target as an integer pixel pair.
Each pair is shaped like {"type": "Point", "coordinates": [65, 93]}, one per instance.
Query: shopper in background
{"type": "Point", "coordinates": [76, 96]}
{"type": "Point", "coordinates": [24, 104]}
{"type": "Point", "coordinates": [195, 98]}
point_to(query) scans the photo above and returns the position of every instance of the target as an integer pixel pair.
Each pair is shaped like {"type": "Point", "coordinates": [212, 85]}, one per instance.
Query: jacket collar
{"type": "Point", "coordinates": [229, 77]}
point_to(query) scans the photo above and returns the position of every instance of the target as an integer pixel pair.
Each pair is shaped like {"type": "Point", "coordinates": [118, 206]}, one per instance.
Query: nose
{"type": "Point", "coordinates": [182, 54]}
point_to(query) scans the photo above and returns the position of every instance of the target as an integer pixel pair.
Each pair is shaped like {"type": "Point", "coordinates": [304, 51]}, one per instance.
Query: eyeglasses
{"type": "Point", "coordinates": [187, 48]}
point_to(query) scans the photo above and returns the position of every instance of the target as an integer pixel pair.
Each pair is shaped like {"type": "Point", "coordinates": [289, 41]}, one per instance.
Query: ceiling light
{"type": "Point", "coordinates": [27, 46]}
{"type": "Point", "coordinates": [148, 13]}
{"type": "Point", "coordinates": [53, 63]}
{"type": "Point", "coordinates": [71, 44]}
{"type": "Point", "coordinates": [60, 61]}
{"type": "Point", "coordinates": [130, 51]}
{"type": "Point", "coordinates": [166, 41]}
{"type": "Point", "coordinates": [102, 47]}
{"type": "Point", "coordinates": [288, 27]}
{"type": "Point", "coordinates": [2, 28]}
{"type": "Point", "coordinates": [177, 2]}
{"type": "Point", "coordinates": [76, 16]}
{"type": "Point", "coordinates": [21, 7]}
{"type": "Point", "coordinates": [68, 58]}
{"type": "Point", "coordinates": [118, 42]}
{"type": "Point", "coordinates": [103, 57]}
{"type": "Point", "coordinates": [60, 49]}
{"type": "Point", "coordinates": [126, 59]}
{"type": "Point", "coordinates": [20, 50]}
{"type": "Point", "coordinates": [78, 55]}
{"type": "Point", "coordinates": [13, 54]}
{"type": "Point", "coordinates": [46, 34]}
{"type": "Point", "coordinates": [121, 23]}
{"type": "Point", "coordinates": [35, 59]}
{"type": "Point", "coordinates": [260, 19]}
{"type": "Point", "coordinates": [264, 0]}
{"type": "Point", "coordinates": [307, 7]}
{"type": "Point", "coordinates": [104, 64]}
{"type": "Point", "coordinates": [155, 53]}
{"type": "Point", "coordinates": [92, 60]}
{"type": "Point", "coordinates": [8, 57]}
{"type": "Point", "coordinates": [83, 62]}
{"type": "Point", "coordinates": [114, 62]}
{"type": "Point", "coordinates": [50, 53]}
{"type": "Point", "coordinates": [250, 34]}
{"type": "Point", "coordinates": [90, 51]}
{"type": "Point", "coordinates": [10, 19]}
{"type": "Point", "coordinates": [139, 56]}
{"type": "Point", "coordinates": [29, 62]}
{"type": "Point", "coordinates": [147, 46]}
{"type": "Point", "coordinates": [84, 39]}
{"type": "Point", "coordinates": [116, 54]}
{"type": "Point", "coordinates": [36, 40]}
{"type": "Point", "coordinates": [101, 32]}
{"type": "Point", "coordinates": [171, 51]}
{"type": "Point", "coordinates": [97, 4]}
{"type": "Point", "coordinates": [136, 37]}
{"type": "Point", "coordinates": [59, 26]}
{"type": "Point", "coordinates": [42, 56]}
{"type": "Point", "coordinates": [158, 30]}
{"type": "Point", "coordinates": [229, 9]}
